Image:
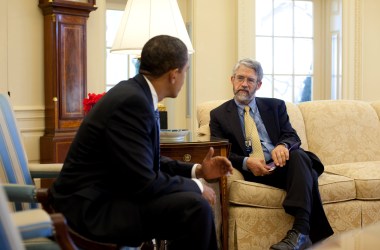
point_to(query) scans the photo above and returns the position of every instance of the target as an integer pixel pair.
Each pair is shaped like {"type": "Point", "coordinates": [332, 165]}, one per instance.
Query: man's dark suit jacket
{"type": "Point", "coordinates": [225, 123]}
{"type": "Point", "coordinates": [116, 154]}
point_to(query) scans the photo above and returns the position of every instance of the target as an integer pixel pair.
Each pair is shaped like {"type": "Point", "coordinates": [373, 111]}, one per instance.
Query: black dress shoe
{"type": "Point", "coordinates": [293, 240]}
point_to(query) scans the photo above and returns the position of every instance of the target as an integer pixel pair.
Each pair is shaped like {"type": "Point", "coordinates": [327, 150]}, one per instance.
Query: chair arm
{"type": "Point", "coordinates": [28, 193]}
{"type": "Point", "coordinates": [33, 223]}
{"type": "Point", "coordinates": [62, 235]}
{"type": "Point", "coordinates": [20, 193]}
{"type": "Point", "coordinates": [36, 223]}
{"type": "Point", "coordinates": [45, 170]}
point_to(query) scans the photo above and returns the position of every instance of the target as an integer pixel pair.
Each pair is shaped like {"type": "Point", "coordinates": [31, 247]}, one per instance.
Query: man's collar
{"type": "Point", "coordinates": [252, 105]}
{"type": "Point", "coordinates": [154, 93]}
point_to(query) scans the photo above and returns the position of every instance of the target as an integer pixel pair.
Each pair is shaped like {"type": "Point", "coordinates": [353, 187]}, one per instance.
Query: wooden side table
{"type": "Point", "coordinates": [195, 152]}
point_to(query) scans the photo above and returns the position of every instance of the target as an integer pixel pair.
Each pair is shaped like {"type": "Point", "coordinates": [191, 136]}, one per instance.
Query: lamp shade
{"type": "Point", "coordinates": [144, 19]}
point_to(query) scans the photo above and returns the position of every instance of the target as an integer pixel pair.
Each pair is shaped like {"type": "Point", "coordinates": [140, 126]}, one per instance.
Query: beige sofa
{"type": "Point", "coordinates": [345, 134]}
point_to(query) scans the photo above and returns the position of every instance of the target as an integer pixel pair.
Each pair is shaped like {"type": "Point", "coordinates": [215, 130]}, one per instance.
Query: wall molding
{"type": "Point", "coordinates": [352, 73]}
{"type": "Point", "coordinates": [31, 122]}
{"type": "Point", "coordinates": [246, 29]}
{"type": "Point", "coordinates": [358, 93]}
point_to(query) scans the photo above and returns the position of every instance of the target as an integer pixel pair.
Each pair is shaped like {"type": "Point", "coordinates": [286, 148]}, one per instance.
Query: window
{"type": "Point", "coordinates": [284, 46]}
{"type": "Point", "coordinates": [119, 66]}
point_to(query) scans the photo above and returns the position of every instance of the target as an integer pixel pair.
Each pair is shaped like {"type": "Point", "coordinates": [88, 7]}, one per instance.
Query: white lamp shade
{"type": "Point", "coordinates": [144, 19]}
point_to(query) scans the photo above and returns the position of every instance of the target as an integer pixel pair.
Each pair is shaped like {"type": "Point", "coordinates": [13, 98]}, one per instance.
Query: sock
{"type": "Point", "coordinates": [301, 221]}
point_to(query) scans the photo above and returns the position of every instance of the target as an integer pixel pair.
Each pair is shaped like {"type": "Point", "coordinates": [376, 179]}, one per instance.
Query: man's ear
{"type": "Point", "coordinates": [258, 85]}
{"type": "Point", "coordinates": [232, 80]}
{"type": "Point", "coordinates": [173, 75]}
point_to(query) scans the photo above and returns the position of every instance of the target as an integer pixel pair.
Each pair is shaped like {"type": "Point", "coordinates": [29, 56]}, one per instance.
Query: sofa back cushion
{"type": "Point", "coordinates": [296, 119]}
{"type": "Point", "coordinates": [376, 106]}
{"type": "Point", "coordinates": [203, 116]}
{"type": "Point", "coordinates": [341, 131]}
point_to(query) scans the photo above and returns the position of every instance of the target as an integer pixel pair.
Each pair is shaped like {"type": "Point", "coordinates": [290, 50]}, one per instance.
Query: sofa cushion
{"type": "Point", "coordinates": [336, 188]}
{"type": "Point", "coordinates": [342, 131]}
{"type": "Point", "coordinates": [255, 194]}
{"type": "Point", "coordinates": [333, 188]}
{"type": "Point", "coordinates": [365, 174]}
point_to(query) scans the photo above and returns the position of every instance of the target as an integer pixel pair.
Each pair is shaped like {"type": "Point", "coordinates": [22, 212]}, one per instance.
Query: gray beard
{"type": "Point", "coordinates": [243, 98]}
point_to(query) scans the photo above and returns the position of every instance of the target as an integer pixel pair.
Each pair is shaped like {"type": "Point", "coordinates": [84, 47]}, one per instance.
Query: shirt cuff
{"type": "Point", "coordinates": [284, 143]}
{"type": "Point", "coordinates": [245, 164]}
{"type": "Point", "coordinates": [194, 178]}
{"type": "Point", "coordinates": [193, 171]}
{"type": "Point", "coordinates": [199, 183]}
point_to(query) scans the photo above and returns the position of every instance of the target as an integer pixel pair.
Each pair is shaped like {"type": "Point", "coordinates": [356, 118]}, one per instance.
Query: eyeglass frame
{"type": "Point", "coordinates": [241, 79]}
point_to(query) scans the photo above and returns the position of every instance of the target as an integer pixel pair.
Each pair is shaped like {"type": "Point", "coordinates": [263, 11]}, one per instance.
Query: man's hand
{"type": "Point", "coordinates": [280, 154]}
{"type": "Point", "coordinates": [209, 194]}
{"type": "Point", "coordinates": [257, 166]}
{"type": "Point", "coordinates": [213, 167]}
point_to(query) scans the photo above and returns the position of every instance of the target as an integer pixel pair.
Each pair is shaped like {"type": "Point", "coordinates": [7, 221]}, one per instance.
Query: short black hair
{"type": "Point", "coordinates": [161, 54]}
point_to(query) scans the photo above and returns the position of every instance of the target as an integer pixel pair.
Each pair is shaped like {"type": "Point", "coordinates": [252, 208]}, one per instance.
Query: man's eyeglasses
{"type": "Point", "coordinates": [241, 79]}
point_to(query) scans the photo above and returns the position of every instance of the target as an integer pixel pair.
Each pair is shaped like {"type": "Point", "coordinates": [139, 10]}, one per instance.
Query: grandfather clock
{"type": "Point", "coordinates": [65, 66]}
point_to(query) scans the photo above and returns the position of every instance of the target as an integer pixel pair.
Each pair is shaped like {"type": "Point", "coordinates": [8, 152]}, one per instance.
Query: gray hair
{"type": "Point", "coordinates": [252, 64]}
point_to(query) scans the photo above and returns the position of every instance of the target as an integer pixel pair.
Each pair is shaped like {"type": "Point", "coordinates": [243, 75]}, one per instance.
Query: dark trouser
{"type": "Point", "coordinates": [184, 219]}
{"type": "Point", "coordinates": [300, 181]}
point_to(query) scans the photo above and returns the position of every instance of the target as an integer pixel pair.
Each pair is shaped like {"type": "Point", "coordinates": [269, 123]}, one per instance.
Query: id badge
{"type": "Point", "coordinates": [248, 146]}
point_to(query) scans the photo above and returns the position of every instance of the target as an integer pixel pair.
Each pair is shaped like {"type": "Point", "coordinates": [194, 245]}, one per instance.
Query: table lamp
{"type": "Point", "coordinates": [144, 19]}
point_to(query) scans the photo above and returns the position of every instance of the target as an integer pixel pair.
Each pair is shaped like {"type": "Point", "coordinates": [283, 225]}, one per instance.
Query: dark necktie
{"type": "Point", "coordinates": [157, 116]}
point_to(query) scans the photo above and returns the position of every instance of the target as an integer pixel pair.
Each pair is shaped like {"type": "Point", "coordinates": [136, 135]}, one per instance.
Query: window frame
{"type": "Point", "coordinates": [117, 5]}
{"type": "Point", "coordinates": [246, 40]}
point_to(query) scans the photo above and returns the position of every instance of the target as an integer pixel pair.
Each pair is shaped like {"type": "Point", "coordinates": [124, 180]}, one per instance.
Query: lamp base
{"type": "Point", "coordinates": [163, 119]}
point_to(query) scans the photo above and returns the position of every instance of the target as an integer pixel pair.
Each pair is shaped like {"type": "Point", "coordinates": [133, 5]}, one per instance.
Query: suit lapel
{"type": "Point", "coordinates": [269, 119]}
{"type": "Point", "coordinates": [235, 124]}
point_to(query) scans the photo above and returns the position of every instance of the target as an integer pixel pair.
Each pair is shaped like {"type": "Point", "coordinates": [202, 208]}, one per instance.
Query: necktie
{"type": "Point", "coordinates": [252, 135]}
{"type": "Point", "coordinates": [157, 115]}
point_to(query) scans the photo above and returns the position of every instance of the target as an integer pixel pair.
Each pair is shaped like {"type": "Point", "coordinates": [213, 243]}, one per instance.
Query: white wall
{"type": "Point", "coordinates": [21, 67]}
{"type": "Point", "coordinates": [96, 55]}
{"type": "Point", "coordinates": [25, 53]}
{"type": "Point", "coordinates": [3, 46]}
{"type": "Point", "coordinates": [370, 50]}
{"type": "Point", "coordinates": [215, 44]}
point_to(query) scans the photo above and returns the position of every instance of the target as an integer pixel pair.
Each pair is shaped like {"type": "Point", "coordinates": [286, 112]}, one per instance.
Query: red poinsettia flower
{"type": "Point", "coordinates": [92, 99]}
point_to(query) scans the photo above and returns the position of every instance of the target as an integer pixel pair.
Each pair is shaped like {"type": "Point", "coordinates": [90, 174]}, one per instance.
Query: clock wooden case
{"type": "Point", "coordinates": [65, 73]}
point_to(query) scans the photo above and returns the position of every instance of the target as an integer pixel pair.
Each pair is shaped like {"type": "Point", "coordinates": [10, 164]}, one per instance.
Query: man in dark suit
{"type": "Point", "coordinates": [296, 170]}
{"type": "Point", "coordinates": [115, 187]}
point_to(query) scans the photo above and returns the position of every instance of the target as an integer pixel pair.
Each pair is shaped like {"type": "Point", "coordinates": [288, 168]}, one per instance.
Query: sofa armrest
{"type": "Point", "coordinates": [236, 175]}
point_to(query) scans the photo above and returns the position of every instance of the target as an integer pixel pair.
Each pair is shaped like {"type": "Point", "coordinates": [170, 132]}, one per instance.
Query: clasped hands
{"type": "Point", "coordinates": [212, 167]}
{"type": "Point", "coordinates": [280, 154]}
